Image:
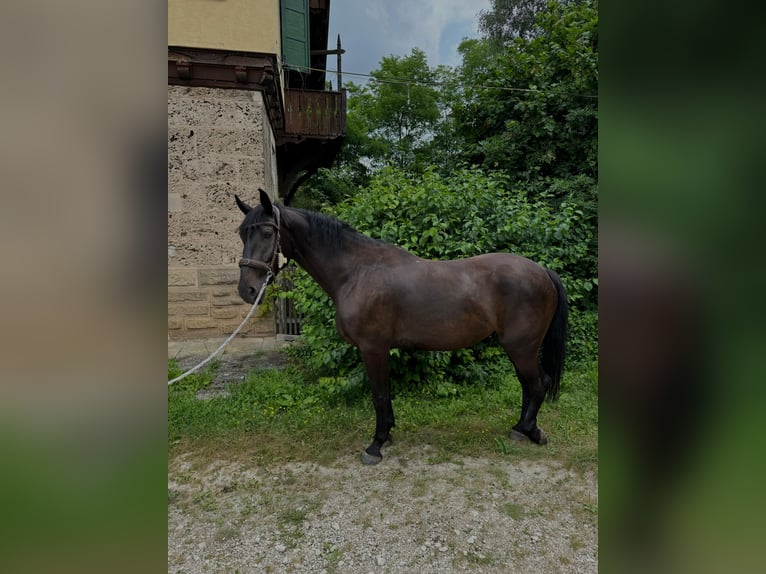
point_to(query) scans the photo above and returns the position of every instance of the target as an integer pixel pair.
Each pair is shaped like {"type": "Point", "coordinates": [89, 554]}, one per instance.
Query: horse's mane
{"type": "Point", "coordinates": [328, 231]}
{"type": "Point", "coordinates": [324, 231]}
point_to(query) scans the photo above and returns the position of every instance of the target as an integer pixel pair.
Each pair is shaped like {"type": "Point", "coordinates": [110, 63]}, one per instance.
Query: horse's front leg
{"type": "Point", "coordinates": [376, 363]}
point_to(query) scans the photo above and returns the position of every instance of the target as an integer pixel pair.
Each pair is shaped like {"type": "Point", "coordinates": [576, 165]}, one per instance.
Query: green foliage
{"type": "Point", "coordinates": [530, 108]}
{"type": "Point", "coordinates": [508, 19]}
{"type": "Point", "coordinates": [439, 217]}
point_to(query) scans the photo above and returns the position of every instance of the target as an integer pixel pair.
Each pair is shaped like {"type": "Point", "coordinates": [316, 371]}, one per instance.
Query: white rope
{"type": "Point", "coordinates": [226, 342]}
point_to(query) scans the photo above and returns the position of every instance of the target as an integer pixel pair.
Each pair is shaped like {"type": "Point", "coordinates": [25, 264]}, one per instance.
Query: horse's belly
{"type": "Point", "coordinates": [442, 333]}
{"type": "Point", "coordinates": [430, 332]}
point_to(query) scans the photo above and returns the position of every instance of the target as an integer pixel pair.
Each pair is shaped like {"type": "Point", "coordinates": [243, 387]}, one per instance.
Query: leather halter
{"type": "Point", "coordinates": [272, 266]}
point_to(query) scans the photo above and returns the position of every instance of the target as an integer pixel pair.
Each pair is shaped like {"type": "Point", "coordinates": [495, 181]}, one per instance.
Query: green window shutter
{"type": "Point", "coordinates": [295, 33]}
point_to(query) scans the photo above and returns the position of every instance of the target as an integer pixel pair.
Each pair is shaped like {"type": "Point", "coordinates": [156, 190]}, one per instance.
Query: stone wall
{"type": "Point", "coordinates": [220, 143]}
{"type": "Point", "coordinates": [203, 303]}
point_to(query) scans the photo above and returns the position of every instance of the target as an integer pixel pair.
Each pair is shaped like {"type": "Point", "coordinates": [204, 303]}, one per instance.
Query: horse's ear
{"type": "Point", "coordinates": [245, 208]}
{"type": "Point", "coordinates": [266, 202]}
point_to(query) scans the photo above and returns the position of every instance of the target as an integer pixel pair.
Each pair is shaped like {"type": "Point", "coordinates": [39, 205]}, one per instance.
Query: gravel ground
{"type": "Point", "coordinates": [409, 514]}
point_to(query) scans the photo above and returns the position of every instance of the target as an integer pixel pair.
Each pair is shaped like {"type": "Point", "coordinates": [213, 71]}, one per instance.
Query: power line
{"type": "Point", "coordinates": [410, 81]}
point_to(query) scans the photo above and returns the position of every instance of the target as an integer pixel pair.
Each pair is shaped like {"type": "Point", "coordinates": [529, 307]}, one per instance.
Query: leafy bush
{"type": "Point", "coordinates": [437, 217]}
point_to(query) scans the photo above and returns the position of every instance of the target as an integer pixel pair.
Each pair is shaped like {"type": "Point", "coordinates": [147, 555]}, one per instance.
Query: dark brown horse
{"type": "Point", "coordinates": [386, 297]}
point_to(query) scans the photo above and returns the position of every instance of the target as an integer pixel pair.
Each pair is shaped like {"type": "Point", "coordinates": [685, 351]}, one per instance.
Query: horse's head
{"type": "Point", "coordinates": [259, 232]}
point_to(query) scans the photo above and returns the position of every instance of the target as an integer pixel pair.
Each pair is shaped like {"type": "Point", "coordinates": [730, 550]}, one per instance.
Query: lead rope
{"type": "Point", "coordinates": [234, 334]}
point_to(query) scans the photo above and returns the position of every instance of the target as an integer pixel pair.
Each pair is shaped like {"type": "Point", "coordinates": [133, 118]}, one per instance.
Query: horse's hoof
{"type": "Point", "coordinates": [540, 439]}
{"type": "Point", "coordinates": [517, 436]}
{"type": "Point", "coordinates": [370, 459]}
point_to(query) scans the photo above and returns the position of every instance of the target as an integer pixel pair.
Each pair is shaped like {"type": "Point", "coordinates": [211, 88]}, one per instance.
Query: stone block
{"type": "Point", "coordinates": [175, 323]}
{"type": "Point", "coordinates": [227, 301]}
{"type": "Point", "coordinates": [229, 312]}
{"type": "Point", "coordinates": [218, 276]}
{"type": "Point", "coordinates": [182, 277]}
{"type": "Point", "coordinates": [185, 309]}
{"type": "Point", "coordinates": [228, 327]}
{"type": "Point", "coordinates": [223, 291]}
{"type": "Point", "coordinates": [201, 323]}
{"type": "Point", "coordinates": [183, 294]}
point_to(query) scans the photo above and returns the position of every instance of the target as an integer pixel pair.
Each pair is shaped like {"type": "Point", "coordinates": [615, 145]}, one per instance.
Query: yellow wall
{"type": "Point", "coordinates": [242, 25]}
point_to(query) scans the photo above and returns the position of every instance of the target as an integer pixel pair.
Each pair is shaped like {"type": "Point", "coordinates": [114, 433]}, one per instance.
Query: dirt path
{"type": "Point", "coordinates": [412, 513]}
{"type": "Point", "coordinates": [404, 515]}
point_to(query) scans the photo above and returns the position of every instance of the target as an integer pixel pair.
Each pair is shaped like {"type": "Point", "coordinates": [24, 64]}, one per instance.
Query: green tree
{"type": "Point", "coordinates": [531, 109]}
{"type": "Point", "coordinates": [509, 19]}
{"type": "Point", "coordinates": [401, 107]}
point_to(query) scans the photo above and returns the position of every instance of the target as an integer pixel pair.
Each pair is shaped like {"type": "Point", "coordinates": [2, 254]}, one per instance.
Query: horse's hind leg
{"type": "Point", "coordinates": [376, 363]}
{"type": "Point", "coordinates": [531, 377]}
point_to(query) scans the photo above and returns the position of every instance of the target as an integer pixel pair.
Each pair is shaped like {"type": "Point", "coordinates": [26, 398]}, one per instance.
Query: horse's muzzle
{"type": "Point", "coordinates": [250, 284]}
{"type": "Point", "coordinates": [247, 293]}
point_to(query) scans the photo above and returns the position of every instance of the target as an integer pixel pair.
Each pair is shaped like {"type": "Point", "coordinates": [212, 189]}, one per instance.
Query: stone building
{"type": "Point", "coordinates": [248, 107]}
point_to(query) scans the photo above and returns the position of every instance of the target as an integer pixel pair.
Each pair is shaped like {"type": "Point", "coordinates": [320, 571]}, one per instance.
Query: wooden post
{"type": "Point", "coordinates": [338, 51]}
{"type": "Point", "coordinates": [340, 85]}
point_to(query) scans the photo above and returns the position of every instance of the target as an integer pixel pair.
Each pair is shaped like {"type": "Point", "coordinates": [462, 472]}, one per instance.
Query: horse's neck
{"type": "Point", "coordinates": [327, 267]}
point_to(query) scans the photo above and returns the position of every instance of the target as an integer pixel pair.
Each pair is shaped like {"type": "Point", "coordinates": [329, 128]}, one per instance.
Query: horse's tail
{"type": "Point", "coordinates": [554, 343]}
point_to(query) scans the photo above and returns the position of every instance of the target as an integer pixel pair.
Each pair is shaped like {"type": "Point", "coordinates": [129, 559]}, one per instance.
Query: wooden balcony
{"type": "Point", "coordinates": [314, 114]}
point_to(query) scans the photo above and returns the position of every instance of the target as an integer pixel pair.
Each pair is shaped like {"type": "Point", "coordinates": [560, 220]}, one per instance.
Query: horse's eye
{"type": "Point", "coordinates": [268, 231]}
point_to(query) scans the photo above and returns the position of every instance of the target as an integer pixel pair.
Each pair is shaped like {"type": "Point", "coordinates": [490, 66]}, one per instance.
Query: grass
{"type": "Point", "coordinates": [279, 415]}
{"type": "Point", "coordinates": [294, 517]}
{"type": "Point", "coordinates": [332, 555]}
{"type": "Point", "coordinates": [206, 501]}
{"type": "Point", "coordinates": [513, 510]}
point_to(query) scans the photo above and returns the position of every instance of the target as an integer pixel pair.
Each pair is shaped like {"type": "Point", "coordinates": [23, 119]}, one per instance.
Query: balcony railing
{"type": "Point", "coordinates": [315, 114]}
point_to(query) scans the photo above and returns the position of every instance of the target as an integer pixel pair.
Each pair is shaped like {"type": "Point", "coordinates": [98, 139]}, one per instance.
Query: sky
{"type": "Point", "coordinates": [372, 29]}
